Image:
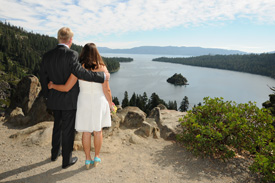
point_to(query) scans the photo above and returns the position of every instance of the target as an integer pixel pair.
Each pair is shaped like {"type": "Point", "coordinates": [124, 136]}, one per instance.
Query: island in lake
{"type": "Point", "coordinates": [177, 79]}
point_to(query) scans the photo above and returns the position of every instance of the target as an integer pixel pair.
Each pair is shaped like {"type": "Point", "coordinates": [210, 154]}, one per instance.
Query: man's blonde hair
{"type": "Point", "coordinates": [64, 35]}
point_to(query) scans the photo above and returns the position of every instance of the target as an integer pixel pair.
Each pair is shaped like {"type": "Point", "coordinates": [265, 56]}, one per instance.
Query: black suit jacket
{"type": "Point", "coordinates": [57, 65]}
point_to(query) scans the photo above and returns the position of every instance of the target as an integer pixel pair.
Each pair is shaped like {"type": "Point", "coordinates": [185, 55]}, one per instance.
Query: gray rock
{"type": "Point", "coordinates": [134, 117]}
{"type": "Point", "coordinates": [26, 93]}
{"type": "Point", "coordinates": [156, 114]}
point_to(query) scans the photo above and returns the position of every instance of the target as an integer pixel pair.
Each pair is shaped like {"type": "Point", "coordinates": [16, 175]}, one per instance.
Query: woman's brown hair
{"type": "Point", "coordinates": [90, 57]}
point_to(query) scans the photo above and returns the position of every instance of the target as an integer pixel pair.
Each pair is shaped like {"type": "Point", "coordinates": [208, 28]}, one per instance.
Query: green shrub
{"type": "Point", "coordinates": [264, 162]}
{"type": "Point", "coordinates": [220, 128]}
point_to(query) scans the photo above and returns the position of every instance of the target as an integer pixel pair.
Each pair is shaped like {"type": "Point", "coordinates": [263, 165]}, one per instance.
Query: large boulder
{"type": "Point", "coordinates": [134, 117]}
{"type": "Point", "coordinates": [26, 93]}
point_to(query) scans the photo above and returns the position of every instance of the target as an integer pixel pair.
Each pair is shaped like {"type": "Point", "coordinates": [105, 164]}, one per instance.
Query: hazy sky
{"type": "Point", "coordinates": [245, 25]}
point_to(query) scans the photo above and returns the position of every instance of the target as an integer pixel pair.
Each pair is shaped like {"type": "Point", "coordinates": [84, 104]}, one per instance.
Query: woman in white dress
{"type": "Point", "coordinates": [93, 104]}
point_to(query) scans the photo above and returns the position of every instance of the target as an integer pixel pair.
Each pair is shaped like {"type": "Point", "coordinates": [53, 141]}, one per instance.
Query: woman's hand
{"type": "Point", "coordinates": [50, 85]}
{"type": "Point", "coordinates": [113, 108]}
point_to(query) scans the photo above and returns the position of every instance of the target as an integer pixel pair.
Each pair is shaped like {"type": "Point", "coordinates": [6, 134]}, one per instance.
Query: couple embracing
{"type": "Point", "coordinates": [77, 90]}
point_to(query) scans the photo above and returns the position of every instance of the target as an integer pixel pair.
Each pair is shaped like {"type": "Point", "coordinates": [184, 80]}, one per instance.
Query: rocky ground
{"type": "Point", "coordinates": [123, 160]}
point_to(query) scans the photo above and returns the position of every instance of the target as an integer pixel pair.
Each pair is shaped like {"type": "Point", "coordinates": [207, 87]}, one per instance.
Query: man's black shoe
{"type": "Point", "coordinates": [72, 162]}
{"type": "Point", "coordinates": [55, 158]}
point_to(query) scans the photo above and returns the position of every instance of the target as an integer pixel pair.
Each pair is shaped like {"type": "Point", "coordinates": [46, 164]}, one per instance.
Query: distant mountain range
{"type": "Point", "coordinates": [171, 50]}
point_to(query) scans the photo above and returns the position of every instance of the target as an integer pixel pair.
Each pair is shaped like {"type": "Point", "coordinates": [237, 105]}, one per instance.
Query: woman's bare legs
{"type": "Point", "coordinates": [86, 142]}
{"type": "Point", "coordinates": [97, 142]}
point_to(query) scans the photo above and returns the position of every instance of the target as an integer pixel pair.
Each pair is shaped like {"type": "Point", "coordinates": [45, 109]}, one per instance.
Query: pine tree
{"type": "Point", "coordinates": [7, 63]}
{"type": "Point", "coordinates": [172, 105]}
{"type": "Point", "coordinates": [133, 100]}
{"type": "Point", "coordinates": [115, 100]}
{"type": "Point", "coordinates": [155, 101]}
{"type": "Point", "coordinates": [184, 104]}
{"type": "Point", "coordinates": [125, 101]}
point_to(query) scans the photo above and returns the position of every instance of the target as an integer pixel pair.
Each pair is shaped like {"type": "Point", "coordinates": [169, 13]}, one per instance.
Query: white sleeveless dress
{"type": "Point", "coordinates": [93, 111]}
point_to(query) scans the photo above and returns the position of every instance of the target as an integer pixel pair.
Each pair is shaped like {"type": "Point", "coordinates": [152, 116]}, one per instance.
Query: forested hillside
{"type": "Point", "coordinates": [21, 51]}
{"type": "Point", "coordinates": [262, 64]}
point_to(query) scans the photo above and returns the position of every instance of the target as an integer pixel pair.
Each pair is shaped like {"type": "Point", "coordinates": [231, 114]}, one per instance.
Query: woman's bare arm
{"type": "Point", "coordinates": [105, 86]}
{"type": "Point", "coordinates": [64, 88]}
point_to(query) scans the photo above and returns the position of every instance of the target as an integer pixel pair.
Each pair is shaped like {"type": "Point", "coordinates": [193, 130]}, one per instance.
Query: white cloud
{"type": "Point", "coordinates": [93, 17]}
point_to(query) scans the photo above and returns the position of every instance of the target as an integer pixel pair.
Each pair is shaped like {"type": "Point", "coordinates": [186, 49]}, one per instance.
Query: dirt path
{"type": "Point", "coordinates": [153, 160]}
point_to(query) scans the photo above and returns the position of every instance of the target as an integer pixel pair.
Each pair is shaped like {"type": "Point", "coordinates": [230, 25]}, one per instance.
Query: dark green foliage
{"type": "Point", "coordinates": [144, 98]}
{"type": "Point", "coordinates": [184, 104]}
{"type": "Point", "coordinates": [125, 101]}
{"type": "Point", "coordinates": [264, 162]}
{"type": "Point", "coordinates": [270, 104]}
{"type": "Point", "coordinates": [221, 128]}
{"type": "Point", "coordinates": [133, 100]}
{"type": "Point", "coordinates": [262, 64]}
{"type": "Point", "coordinates": [23, 47]}
{"type": "Point", "coordinates": [121, 59]}
{"type": "Point", "coordinates": [115, 100]}
{"type": "Point", "coordinates": [112, 64]}
{"type": "Point", "coordinates": [142, 102]}
{"type": "Point", "coordinates": [177, 79]}
{"type": "Point", "coordinates": [154, 101]}
{"type": "Point", "coordinates": [172, 105]}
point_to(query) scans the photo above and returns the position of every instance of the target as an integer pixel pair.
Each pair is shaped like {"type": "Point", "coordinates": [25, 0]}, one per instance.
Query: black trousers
{"type": "Point", "coordinates": [63, 134]}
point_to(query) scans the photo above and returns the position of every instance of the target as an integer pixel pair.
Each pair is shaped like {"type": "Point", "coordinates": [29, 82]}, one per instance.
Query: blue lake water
{"type": "Point", "coordinates": [144, 75]}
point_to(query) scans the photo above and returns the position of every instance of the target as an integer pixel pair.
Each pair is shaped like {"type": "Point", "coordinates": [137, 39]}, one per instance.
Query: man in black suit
{"type": "Point", "coordinates": [57, 65]}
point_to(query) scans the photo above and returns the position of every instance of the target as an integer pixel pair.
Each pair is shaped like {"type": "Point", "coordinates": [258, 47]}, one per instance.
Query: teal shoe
{"type": "Point", "coordinates": [96, 161]}
{"type": "Point", "coordinates": [88, 163]}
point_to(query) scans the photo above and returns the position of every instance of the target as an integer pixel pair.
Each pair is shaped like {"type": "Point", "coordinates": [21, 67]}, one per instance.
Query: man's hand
{"type": "Point", "coordinates": [107, 76]}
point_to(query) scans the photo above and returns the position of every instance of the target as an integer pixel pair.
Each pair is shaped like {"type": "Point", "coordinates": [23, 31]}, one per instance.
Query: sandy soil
{"type": "Point", "coordinates": [152, 160]}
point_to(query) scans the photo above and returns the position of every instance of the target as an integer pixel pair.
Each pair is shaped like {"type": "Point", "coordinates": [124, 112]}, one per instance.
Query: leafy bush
{"type": "Point", "coordinates": [264, 162]}
{"type": "Point", "coordinates": [221, 128]}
